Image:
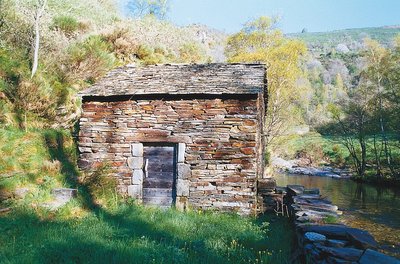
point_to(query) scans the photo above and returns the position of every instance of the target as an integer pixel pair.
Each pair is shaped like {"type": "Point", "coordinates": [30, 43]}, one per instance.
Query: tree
{"type": "Point", "coordinates": [260, 42]}
{"type": "Point", "coordinates": [379, 75]}
{"type": "Point", "coordinates": [41, 4]}
{"type": "Point", "coordinates": [353, 119]}
{"type": "Point", "coordinates": [142, 8]}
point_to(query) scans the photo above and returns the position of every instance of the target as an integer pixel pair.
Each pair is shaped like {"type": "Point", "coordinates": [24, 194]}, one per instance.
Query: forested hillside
{"type": "Point", "coordinates": [353, 77]}
{"type": "Point", "coordinates": [347, 39]}
{"type": "Point", "coordinates": [78, 42]}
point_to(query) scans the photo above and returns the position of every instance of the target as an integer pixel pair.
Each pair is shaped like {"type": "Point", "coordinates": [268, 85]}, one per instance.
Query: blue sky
{"type": "Point", "coordinates": [315, 15]}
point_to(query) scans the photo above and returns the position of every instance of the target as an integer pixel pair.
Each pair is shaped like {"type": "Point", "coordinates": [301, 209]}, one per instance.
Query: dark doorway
{"type": "Point", "coordinates": [159, 174]}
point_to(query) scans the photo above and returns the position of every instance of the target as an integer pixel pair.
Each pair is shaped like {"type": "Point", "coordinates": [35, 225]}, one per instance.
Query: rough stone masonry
{"type": "Point", "coordinates": [212, 115]}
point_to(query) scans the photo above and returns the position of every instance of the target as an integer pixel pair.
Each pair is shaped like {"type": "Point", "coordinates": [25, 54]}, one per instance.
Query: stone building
{"type": "Point", "coordinates": [184, 135]}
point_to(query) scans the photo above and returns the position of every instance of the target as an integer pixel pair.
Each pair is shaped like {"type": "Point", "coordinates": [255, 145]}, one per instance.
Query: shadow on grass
{"type": "Point", "coordinates": [133, 234]}
{"type": "Point", "coordinates": [122, 238]}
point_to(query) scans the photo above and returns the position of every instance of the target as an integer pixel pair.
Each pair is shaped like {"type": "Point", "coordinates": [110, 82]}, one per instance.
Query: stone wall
{"type": "Point", "coordinates": [218, 143]}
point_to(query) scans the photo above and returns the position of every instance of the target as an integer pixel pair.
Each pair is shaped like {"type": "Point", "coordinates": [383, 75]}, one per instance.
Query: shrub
{"type": "Point", "coordinates": [100, 184]}
{"type": "Point", "coordinates": [191, 52]}
{"type": "Point", "coordinates": [122, 43]}
{"type": "Point", "coordinates": [88, 60]}
{"type": "Point", "coordinates": [156, 55]}
{"type": "Point", "coordinates": [66, 24]}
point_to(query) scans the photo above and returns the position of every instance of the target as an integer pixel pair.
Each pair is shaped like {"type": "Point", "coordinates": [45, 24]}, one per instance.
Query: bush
{"type": "Point", "coordinates": [155, 55]}
{"type": "Point", "coordinates": [101, 185]}
{"type": "Point", "coordinates": [66, 24]}
{"type": "Point", "coordinates": [88, 60]}
{"type": "Point", "coordinates": [191, 53]}
{"type": "Point", "coordinates": [122, 43]}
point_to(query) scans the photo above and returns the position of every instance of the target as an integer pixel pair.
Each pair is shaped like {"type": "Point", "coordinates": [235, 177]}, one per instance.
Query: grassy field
{"type": "Point", "coordinates": [119, 231]}
{"type": "Point", "coordinates": [135, 234]}
{"type": "Point", "coordinates": [319, 149]}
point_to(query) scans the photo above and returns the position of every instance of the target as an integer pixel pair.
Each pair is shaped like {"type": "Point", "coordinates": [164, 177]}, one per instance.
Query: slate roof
{"type": "Point", "coordinates": [216, 78]}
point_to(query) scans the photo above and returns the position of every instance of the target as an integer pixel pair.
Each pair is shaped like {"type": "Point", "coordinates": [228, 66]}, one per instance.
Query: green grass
{"type": "Point", "coordinates": [136, 234]}
{"type": "Point", "coordinates": [84, 232]}
{"type": "Point", "coordinates": [37, 160]}
{"type": "Point", "coordinates": [320, 149]}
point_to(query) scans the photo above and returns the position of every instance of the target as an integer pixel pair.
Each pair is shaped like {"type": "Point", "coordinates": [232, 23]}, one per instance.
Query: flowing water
{"type": "Point", "coordinates": [375, 209]}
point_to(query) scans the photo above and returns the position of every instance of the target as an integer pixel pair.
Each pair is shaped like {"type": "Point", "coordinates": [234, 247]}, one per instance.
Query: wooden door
{"type": "Point", "coordinates": [159, 175]}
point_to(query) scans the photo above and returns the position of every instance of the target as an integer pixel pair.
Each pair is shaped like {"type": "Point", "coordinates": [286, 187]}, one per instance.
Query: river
{"type": "Point", "coordinates": [375, 209]}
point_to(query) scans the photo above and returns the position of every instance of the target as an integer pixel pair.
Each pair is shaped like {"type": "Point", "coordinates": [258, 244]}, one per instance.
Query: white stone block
{"type": "Point", "coordinates": [137, 149]}
{"type": "Point", "coordinates": [135, 162]}
{"type": "Point", "coordinates": [181, 152]}
{"type": "Point", "coordinates": [137, 177]}
{"type": "Point", "coordinates": [182, 187]}
{"type": "Point", "coordinates": [135, 191]}
{"type": "Point", "coordinates": [184, 171]}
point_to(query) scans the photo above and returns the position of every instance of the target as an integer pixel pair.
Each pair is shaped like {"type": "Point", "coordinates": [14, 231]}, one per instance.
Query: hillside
{"type": "Point", "coordinates": [352, 38]}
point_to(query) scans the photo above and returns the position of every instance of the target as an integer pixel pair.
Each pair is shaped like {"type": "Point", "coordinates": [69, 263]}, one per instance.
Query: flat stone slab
{"type": "Point", "coordinates": [362, 239]}
{"type": "Point", "coordinates": [316, 207]}
{"type": "Point", "coordinates": [280, 189]}
{"type": "Point", "coordinates": [311, 191]}
{"type": "Point", "coordinates": [375, 257]}
{"type": "Point", "coordinates": [336, 243]}
{"type": "Point", "coordinates": [330, 231]}
{"type": "Point", "coordinates": [295, 189]}
{"type": "Point", "coordinates": [310, 197]}
{"type": "Point", "coordinates": [64, 193]}
{"type": "Point", "coordinates": [61, 197]}
{"type": "Point", "coordinates": [350, 254]}
{"type": "Point", "coordinates": [314, 237]}
{"type": "Point", "coordinates": [266, 184]}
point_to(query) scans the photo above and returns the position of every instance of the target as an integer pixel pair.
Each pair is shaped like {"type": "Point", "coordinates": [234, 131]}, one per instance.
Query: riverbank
{"type": "Point", "coordinates": [320, 242]}
{"type": "Point", "coordinates": [303, 167]}
{"type": "Point", "coordinates": [326, 155]}
{"type": "Point", "coordinates": [373, 208]}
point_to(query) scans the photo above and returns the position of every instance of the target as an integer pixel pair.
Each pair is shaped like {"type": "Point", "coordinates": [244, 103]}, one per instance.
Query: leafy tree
{"type": "Point", "coordinates": [142, 8]}
{"type": "Point", "coordinates": [353, 118]}
{"type": "Point", "coordinates": [260, 42]}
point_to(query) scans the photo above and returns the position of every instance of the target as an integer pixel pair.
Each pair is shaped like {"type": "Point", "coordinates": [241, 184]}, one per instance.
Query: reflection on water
{"type": "Point", "coordinates": [376, 209]}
